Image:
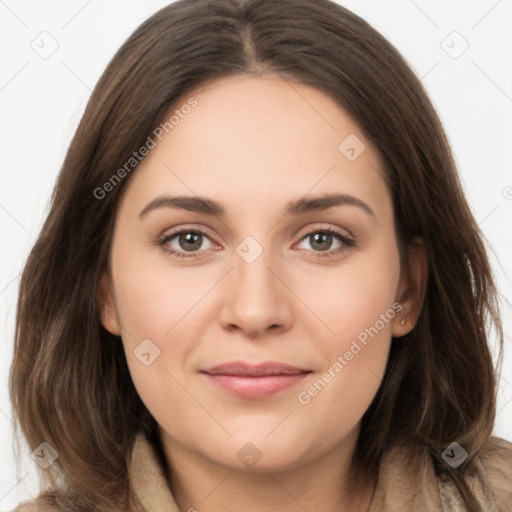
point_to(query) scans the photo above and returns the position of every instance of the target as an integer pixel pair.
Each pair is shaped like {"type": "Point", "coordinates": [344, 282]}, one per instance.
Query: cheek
{"type": "Point", "coordinates": [152, 306]}
{"type": "Point", "coordinates": [155, 337]}
{"type": "Point", "coordinates": [358, 297]}
{"type": "Point", "coordinates": [360, 308]}
{"type": "Point", "coordinates": [154, 299]}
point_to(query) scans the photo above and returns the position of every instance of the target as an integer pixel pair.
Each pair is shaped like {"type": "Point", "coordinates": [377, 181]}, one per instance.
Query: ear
{"type": "Point", "coordinates": [411, 290]}
{"type": "Point", "coordinates": [106, 305]}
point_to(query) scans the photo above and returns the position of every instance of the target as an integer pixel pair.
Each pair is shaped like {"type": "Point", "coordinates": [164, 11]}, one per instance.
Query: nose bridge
{"type": "Point", "coordinates": [257, 299]}
{"type": "Point", "coordinates": [251, 273]}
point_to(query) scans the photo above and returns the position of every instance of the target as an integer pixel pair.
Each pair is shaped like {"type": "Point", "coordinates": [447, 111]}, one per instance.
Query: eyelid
{"type": "Point", "coordinates": [321, 226]}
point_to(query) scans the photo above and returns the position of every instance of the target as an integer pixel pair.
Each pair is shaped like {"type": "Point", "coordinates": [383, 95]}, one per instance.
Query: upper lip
{"type": "Point", "coordinates": [242, 368]}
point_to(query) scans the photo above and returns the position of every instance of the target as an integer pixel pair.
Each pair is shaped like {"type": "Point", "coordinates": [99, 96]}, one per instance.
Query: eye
{"type": "Point", "coordinates": [187, 243]}
{"type": "Point", "coordinates": [179, 243]}
{"type": "Point", "coordinates": [321, 241]}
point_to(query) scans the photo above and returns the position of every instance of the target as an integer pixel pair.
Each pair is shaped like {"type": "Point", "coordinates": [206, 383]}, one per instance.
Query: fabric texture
{"type": "Point", "coordinates": [407, 482]}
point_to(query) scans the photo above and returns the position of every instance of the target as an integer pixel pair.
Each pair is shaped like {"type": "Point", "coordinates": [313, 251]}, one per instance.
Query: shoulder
{"type": "Point", "coordinates": [496, 459]}
{"type": "Point", "coordinates": [45, 502]}
{"type": "Point", "coordinates": [408, 480]}
{"type": "Point", "coordinates": [488, 475]}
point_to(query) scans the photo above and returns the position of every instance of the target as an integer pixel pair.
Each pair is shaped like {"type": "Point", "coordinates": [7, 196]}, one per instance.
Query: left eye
{"type": "Point", "coordinates": [320, 239]}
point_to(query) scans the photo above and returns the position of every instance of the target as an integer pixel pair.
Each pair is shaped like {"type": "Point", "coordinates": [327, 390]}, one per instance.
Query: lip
{"type": "Point", "coordinates": [244, 380]}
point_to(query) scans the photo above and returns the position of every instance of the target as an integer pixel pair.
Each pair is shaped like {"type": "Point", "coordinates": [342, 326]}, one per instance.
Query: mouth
{"type": "Point", "coordinates": [254, 381]}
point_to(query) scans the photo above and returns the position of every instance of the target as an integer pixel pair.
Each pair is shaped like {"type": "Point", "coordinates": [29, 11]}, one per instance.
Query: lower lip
{"type": "Point", "coordinates": [256, 387]}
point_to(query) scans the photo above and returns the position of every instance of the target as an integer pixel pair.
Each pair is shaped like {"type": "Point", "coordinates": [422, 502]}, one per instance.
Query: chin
{"type": "Point", "coordinates": [253, 453]}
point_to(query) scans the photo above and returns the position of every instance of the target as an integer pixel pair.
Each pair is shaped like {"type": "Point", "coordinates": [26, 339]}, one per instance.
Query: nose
{"type": "Point", "coordinates": [257, 299]}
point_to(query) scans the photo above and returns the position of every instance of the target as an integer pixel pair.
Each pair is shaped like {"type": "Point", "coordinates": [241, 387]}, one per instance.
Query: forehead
{"type": "Point", "coordinates": [263, 139]}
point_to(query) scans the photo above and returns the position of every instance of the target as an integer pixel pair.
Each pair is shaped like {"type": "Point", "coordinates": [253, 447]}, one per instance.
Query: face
{"type": "Point", "coordinates": [262, 332]}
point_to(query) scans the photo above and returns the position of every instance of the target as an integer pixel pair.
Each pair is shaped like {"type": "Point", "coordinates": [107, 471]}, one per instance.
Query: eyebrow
{"type": "Point", "coordinates": [210, 207]}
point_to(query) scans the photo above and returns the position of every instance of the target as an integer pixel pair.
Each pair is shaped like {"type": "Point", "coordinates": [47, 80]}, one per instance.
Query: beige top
{"type": "Point", "coordinates": [404, 484]}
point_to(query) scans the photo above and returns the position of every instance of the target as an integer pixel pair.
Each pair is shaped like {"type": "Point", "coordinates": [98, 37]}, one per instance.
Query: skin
{"type": "Point", "coordinates": [254, 144]}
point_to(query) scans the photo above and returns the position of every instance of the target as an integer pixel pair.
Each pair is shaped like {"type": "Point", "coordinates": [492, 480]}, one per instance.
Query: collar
{"type": "Point", "coordinates": [148, 480]}
{"type": "Point", "coordinates": [407, 481]}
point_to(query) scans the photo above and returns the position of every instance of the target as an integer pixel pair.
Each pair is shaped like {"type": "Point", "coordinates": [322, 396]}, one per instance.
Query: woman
{"type": "Point", "coordinates": [189, 339]}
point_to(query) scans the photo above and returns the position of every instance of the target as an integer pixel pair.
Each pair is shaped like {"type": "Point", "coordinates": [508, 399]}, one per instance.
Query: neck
{"type": "Point", "coordinates": [322, 483]}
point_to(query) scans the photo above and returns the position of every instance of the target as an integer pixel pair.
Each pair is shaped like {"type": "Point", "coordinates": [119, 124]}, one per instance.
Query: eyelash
{"type": "Point", "coordinates": [346, 242]}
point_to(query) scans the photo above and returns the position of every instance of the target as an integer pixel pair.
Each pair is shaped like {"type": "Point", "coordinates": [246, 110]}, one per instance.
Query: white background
{"type": "Point", "coordinates": [41, 101]}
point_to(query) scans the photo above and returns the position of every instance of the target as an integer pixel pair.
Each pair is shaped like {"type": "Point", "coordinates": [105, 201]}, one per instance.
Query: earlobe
{"type": "Point", "coordinates": [412, 289]}
{"type": "Point", "coordinates": [106, 305]}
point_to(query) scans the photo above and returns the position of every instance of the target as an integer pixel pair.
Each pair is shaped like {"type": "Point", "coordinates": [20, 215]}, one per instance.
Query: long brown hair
{"type": "Point", "coordinates": [69, 383]}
